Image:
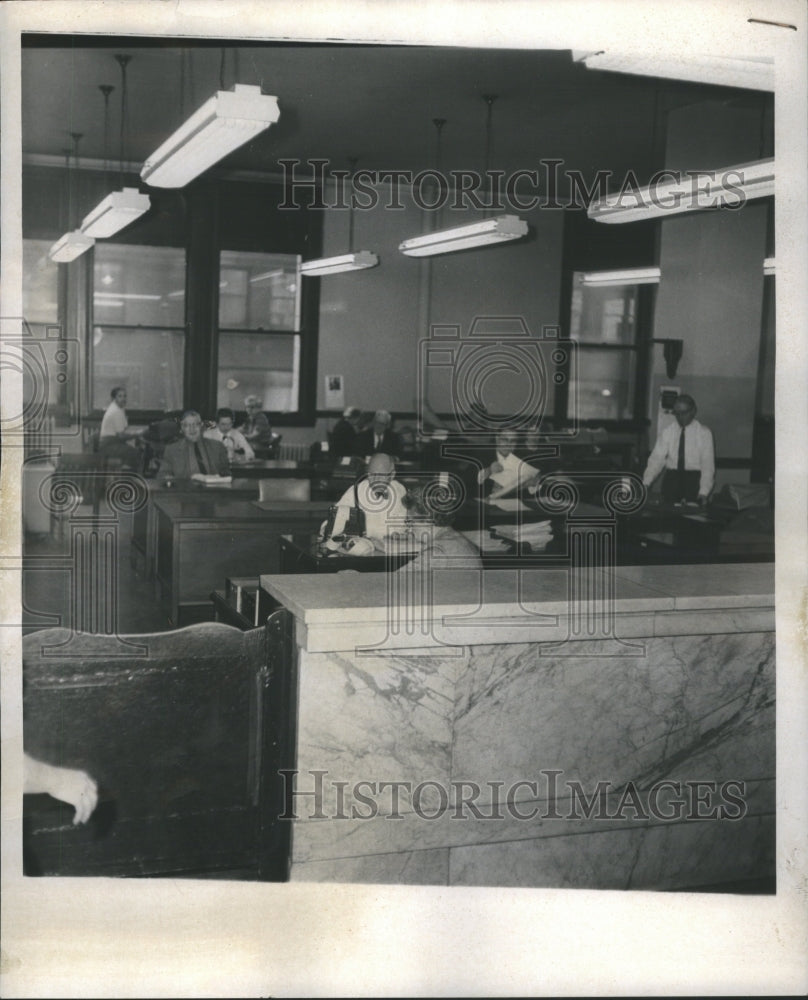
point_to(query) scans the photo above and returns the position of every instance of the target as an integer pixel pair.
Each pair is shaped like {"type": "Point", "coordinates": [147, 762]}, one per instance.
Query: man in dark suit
{"type": "Point", "coordinates": [379, 437]}
{"type": "Point", "coordinates": [342, 438]}
{"type": "Point", "coordinates": [193, 453]}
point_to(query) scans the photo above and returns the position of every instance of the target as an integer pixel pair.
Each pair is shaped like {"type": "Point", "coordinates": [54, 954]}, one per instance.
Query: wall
{"type": "Point", "coordinates": [371, 321]}
{"type": "Point", "coordinates": [711, 293]}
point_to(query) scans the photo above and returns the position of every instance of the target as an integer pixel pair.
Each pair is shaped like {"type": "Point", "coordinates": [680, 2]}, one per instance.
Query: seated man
{"type": "Point", "coordinates": [684, 450]}
{"type": "Point", "coordinates": [343, 436]}
{"type": "Point", "coordinates": [193, 454]}
{"type": "Point", "coordinates": [238, 448]}
{"type": "Point", "coordinates": [508, 473]}
{"type": "Point", "coordinates": [115, 439]}
{"type": "Point", "coordinates": [379, 437]}
{"type": "Point", "coordinates": [379, 497]}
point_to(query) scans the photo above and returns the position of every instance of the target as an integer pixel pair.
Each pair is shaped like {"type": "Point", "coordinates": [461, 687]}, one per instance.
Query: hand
{"type": "Point", "coordinates": [702, 500]}
{"type": "Point", "coordinates": [493, 468]}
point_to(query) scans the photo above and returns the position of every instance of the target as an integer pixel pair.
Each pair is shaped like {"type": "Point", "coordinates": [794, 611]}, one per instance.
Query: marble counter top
{"type": "Point", "coordinates": [344, 610]}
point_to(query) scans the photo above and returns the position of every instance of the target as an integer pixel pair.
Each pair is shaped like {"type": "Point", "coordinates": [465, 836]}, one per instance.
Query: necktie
{"type": "Point", "coordinates": [200, 461]}
{"type": "Point", "coordinates": [681, 464]}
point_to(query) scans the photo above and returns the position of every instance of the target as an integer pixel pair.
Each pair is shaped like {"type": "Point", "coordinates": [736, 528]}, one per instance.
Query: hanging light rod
{"type": "Point", "coordinates": [691, 192]}
{"type": "Point", "coordinates": [74, 243]}
{"type": "Point", "coordinates": [628, 276]}
{"type": "Point", "coordinates": [223, 123]}
{"type": "Point", "coordinates": [499, 229]}
{"type": "Point", "coordinates": [120, 208]}
{"type": "Point", "coordinates": [477, 234]}
{"type": "Point", "coordinates": [70, 246]}
{"type": "Point", "coordinates": [358, 260]}
{"type": "Point", "coordinates": [335, 265]}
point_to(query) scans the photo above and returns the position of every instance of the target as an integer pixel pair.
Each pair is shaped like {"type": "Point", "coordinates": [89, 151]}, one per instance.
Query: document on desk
{"type": "Point", "coordinates": [212, 480]}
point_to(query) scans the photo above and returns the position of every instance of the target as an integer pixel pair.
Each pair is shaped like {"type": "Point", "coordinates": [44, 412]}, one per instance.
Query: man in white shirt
{"type": "Point", "coordinates": [380, 496]}
{"type": "Point", "coordinates": [238, 448]}
{"type": "Point", "coordinates": [115, 439]}
{"type": "Point", "coordinates": [685, 451]}
{"type": "Point", "coordinates": [508, 472]}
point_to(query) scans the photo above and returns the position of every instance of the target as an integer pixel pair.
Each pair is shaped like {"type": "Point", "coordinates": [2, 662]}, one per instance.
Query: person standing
{"type": "Point", "coordinates": [684, 450]}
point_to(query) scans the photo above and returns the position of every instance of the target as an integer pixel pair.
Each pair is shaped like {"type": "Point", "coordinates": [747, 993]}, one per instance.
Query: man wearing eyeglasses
{"type": "Point", "coordinates": [379, 496]}
{"type": "Point", "coordinates": [684, 450]}
{"type": "Point", "coordinates": [193, 454]}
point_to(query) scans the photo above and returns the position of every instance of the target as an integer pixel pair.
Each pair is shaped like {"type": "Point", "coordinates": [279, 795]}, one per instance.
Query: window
{"type": "Point", "coordinates": [40, 310]}
{"type": "Point", "coordinates": [604, 323]}
{"type": "Point", "coordinates": [138, 325]}
{"type": "Point", "coordinates": [259, 330]}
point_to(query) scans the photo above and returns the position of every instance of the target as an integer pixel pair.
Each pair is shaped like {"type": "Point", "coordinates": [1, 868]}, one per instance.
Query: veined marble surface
{"type": "Point", "coordinates": [693, 708]}
{"type": "Point", "coordinates": [371, 612]}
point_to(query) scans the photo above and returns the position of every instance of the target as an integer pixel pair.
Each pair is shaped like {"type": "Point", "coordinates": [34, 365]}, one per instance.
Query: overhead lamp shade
{"type": "Point", "coordinates": [770, 265]}
{"type": "Point", "coordinates": [477, 234]}
{"type": "Point", "coordinates": [70, 246]}
{"type": "Point", "coordinates": [335, 265]}
{"type": "Point", "coordinates": [727, 186]}
{"type": "Point", "coordinates": [724, 71]}
{"type": "Point", "coordinates": [628, 276]}
{"type": "Point", "coordinates": [115, 212]}
{"type": "Point", "coordinates": [222, 124]}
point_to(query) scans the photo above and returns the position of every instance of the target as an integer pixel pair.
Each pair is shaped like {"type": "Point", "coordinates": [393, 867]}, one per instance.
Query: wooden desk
{"type": "Point", "coordinates": [142, 552]}
{"type": "Point", "coordinates": [201, 541]}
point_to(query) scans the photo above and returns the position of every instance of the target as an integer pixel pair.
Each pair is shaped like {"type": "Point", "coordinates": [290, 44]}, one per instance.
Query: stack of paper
{"type": "Point", "coordinates": [212, 480]}
{"type": "Point", "coordinates": [535, 535]}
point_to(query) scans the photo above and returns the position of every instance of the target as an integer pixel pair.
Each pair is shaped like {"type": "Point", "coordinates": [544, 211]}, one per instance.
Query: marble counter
{"type": "Point", "coordinates": [529, 737]}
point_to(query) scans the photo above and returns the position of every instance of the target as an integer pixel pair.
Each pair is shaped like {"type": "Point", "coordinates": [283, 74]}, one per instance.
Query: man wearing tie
{"type": "Point", "coordinates": [193, 453]}
{"type": "Point", "coordinates": [378, 438]}
{"type": "Point", "coordinates": [685, 451]}
{"type": "Point", "coordinates": [238, 448]}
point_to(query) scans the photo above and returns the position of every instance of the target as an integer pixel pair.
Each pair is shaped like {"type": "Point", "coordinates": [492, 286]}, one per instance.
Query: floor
{"type": "Point", "coordinates": [49, 585]}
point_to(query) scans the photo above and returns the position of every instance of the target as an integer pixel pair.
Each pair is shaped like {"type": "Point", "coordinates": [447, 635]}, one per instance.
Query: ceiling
{"type": "Point", "coordinates": [374, 103]}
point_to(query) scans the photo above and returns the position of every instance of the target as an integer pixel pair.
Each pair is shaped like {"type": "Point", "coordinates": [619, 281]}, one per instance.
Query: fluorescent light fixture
{"type": "Point", "coordinates": [114, 212]}
{"type": "Point", "coordinates": [477, 234]}
{"type": "Point", "coordinates": [335, 265]}
{"type": "Point", "coordinates": [687, 191]}
{"type": "Point", "coordinates": [70, 246]}
{"type": "Point", "coordinates": [770, 265]}
{"type": "Point", "coordinates": [723, 71]}
{"type": "Point", "coordinates": [223, 123]}
{"type": "Point", "coordinates": [137, 296]}
{"type": "Point", "coordinates": [628, 276]}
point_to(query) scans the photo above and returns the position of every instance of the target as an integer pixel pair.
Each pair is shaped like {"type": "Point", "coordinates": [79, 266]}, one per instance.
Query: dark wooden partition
{"type": "Point", "coordinates": [173, 728]}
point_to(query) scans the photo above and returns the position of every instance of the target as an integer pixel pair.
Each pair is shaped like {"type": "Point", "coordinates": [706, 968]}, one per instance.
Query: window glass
{"type": "Point", "coordinates": [40, 283]}
{"type": "Point", "coordinates": [147, 363]}
{"type": "Point", "coordinates": [604, 388]}
{"type": "Point", "coordinates": [266, 366]}
{"type": "Point", "coordinates": [258, 291]}
{"type": "Point", "coordinates": [138, 325]}
{"type": "Point", "coordinates": [603, 314]}
{"type": "Point", "coordinates": [139, 285]}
